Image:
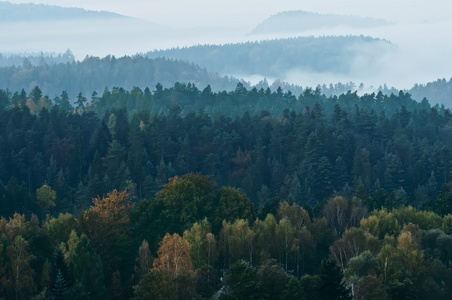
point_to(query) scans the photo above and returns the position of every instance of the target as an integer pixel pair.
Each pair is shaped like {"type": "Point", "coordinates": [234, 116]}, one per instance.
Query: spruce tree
{"type": "Point", "coordinates": [87, 271]}
{"type": "Point", "coordinates": [59, 286]}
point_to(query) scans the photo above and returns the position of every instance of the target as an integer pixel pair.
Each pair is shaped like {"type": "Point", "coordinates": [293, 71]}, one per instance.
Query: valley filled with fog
{"type": "Point", "coordinates": [421, 37]}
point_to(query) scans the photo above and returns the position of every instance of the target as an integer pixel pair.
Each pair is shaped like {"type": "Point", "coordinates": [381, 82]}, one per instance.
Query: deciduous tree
{"type": "Point", "coordinates": [21, 272]}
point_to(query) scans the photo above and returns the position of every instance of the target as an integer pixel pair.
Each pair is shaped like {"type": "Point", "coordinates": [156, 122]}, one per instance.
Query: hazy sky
{"type": "Point", "coordinates": [228, 12]}
{"type": "Point", "coordinates": [421, 29]}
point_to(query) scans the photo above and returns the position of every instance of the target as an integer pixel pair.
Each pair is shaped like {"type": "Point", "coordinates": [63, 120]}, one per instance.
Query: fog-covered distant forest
{"type": "Point", "coordinates": [274, 58]}
{"type": "Point", "coordinates": [299, 21]}
{"type": "Point", "coordinates": [32, 12]}
{"type": "Point", "coordinates": [95, 74]}
{"type": "Point", "coordinates": [11, 60]}
{"type": "Point", "coordinates": [54, 73]}
{"type": "Point", "coordinates": [439, 91]}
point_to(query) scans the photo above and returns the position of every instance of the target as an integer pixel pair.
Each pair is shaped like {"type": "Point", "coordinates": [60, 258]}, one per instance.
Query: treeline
{"type": "Point", "coordinates": [274, 58]}
{"type": "Point", "coordinates": [9, 60]}
{"type": "Point", "coordinates": [56, 73]}
{"type": "Point", "coordinates": [95, 74]}
{"type": "Point", "coordinates": [194, 240]}
{"type": "Point", "coordinates": [439, 91]}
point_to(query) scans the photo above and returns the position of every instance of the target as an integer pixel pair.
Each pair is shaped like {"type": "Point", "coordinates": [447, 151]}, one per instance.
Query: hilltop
{"type": "Point", "coordinates": [297, 21]}
{"type": "Point", "coordinates": [41, 12]}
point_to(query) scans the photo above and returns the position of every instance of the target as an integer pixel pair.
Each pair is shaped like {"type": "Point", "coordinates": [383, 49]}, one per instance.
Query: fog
{"type": "Point", "coordinates": [420, 29]}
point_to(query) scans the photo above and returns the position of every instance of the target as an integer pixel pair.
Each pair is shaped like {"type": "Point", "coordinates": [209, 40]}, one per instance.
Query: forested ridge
{"type": "Point", "coordinates": [299, 21]}
{"type": "Point", "coordinates": [9, 60]}
{"type": "Point", "coordinates": [14, 12]}
{"type": "Point", "coordinates": [54, 74]}
{"type": "Point", "coordinates": [438, 91]}
{"type": "Point", "coordinates": [182, 193]}
{"type": "Point", "coordinates": [274, 58]}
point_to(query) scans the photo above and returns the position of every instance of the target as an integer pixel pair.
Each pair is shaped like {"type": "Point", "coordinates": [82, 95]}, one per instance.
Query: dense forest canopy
{"type": "Point", "coordinates": [225, 168]}
{"type": "Point", "coordinates": [268, 144]}
{"type": "Point", "coordinates": [182, 193]}
{"type": "Point", "coordinates": [201, 160]}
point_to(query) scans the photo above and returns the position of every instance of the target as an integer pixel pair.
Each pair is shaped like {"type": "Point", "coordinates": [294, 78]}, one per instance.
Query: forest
{"type": "Point", "coordinates": [54, 74]}
{"type": "Point", "coordinates": [438, 91]}
{"type": "Point", "coordinates": [299, 21]}
{"type": "Point", "coordinates": [187, 193]}
{"type": "Point", "coordinates": [36, 59]}
{"type": "Point", "coordinates": [274, 58]}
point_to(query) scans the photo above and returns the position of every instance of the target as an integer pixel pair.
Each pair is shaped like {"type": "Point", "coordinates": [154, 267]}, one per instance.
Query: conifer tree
{"type": "Point", "coordinates": [332, 286]}
{"type": "Point", "coordinates": [59, 286]}
{"type": "Point", "coordinates": [444, 201]}
{"type": "Point", "coordinates": [87, 271]}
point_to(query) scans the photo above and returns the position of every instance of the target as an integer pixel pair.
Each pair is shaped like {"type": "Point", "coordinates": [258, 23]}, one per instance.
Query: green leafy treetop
{"type": "Point", "coordinates": [45, 197]}
{"type": "Point", "coordinates": [187, 199]}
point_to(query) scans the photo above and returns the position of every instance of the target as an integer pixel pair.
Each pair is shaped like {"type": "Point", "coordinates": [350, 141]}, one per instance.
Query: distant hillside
{"type": "Point", "coordinates": [297, 21]}
{"type": "Point", "coordinates": [30, 28]}
{"type": "Point", "coordinates": [439, 91]}
{"type": "Point", "coordinates": [274, 58]}
{"type": "Point", "coordinates": [41, 12]}
{"type": "Point", "coordinates": [94, 74]}
{"type": "Point", "coordinates": [7, 60]}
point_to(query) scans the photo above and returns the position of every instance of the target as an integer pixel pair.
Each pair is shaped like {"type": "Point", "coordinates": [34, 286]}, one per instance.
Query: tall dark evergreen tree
{"type": "Point", "coordinates": [80, 103]}
{"type": "Point", "coordinates": [332, 285]}
{"type": "Point", "coordinates": [36, 94]}
{"type": "Point", "coordinates": [87, 270]}
{"type": "Point", "coordinates": [444, 201]}
{"type": "Point", "coordinates": [59, 287]}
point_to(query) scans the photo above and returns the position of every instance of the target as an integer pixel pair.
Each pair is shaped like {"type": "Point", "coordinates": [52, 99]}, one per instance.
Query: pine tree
{"type": "Point", "coordinates": [80, 102]}
{"type": "Point", "coordinates": [36, 94]}
{"type": "Point", "coordinates": [63, 101]}
{"type": "Point", "coordinates": [62, 279]}
{"type": "Point", "coordinates": [59, 287]}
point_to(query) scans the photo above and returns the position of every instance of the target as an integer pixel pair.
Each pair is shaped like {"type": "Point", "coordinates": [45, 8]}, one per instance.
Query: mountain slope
{"type": "Point", "coordinates": [41, 12]}
{"type": "Point", "coordinates": [439, 91]}
{"type": "Point", "coordinates": [94, 74]}
{"type": "Point", "coordinates": [274, 58]}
